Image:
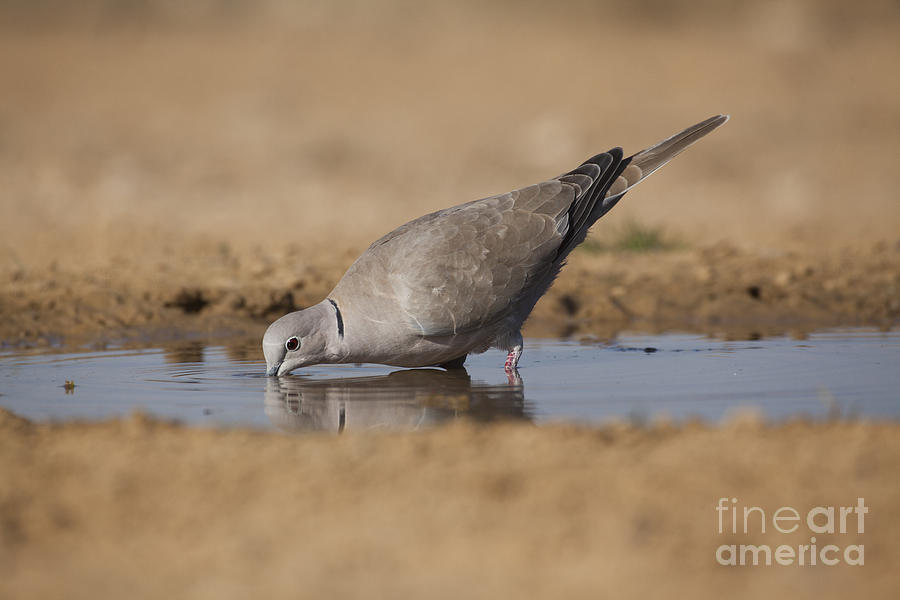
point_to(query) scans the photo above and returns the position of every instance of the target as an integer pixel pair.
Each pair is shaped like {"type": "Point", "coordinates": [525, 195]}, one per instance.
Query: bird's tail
{"type": "Point", "coordinates": [647, 161]}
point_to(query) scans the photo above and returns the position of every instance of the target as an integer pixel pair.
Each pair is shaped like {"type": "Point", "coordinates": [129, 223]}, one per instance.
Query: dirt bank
{"type": "Point", "coordinates": [718, 290]}
{"type": "Point", "coordinates": [148, 509]}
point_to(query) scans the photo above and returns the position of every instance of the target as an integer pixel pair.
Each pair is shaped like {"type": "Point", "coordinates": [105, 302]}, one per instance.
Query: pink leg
{"type": "Point", "coordinates": [514, 344]}
{"type": "Point", "coordinates": [512, 359]}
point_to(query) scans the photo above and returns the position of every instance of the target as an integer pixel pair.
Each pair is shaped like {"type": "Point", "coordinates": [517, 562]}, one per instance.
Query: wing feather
{"type": "Point", "coordinates": [466, 267]}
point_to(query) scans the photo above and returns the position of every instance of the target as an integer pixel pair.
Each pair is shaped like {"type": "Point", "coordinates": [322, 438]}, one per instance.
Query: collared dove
{"type": "Point", "coordinates": [463, 279]}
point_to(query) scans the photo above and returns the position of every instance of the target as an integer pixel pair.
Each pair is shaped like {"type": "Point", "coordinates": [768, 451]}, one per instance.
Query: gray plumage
{"type": "Point", "coordinates": [463, 279]}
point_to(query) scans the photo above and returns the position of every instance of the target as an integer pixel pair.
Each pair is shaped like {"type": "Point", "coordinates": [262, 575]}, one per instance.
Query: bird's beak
{"type": "Point", "coordinates": [273, 370]}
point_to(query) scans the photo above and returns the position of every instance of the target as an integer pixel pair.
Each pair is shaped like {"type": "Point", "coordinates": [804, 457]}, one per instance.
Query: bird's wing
{"type": "Point", "coordinates": [460, 269]}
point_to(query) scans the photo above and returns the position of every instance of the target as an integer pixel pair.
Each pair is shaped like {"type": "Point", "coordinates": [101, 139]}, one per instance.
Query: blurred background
{"type": "Point", "coordinates": [135, 128]}
{"type": "Point", "coordinates": [171, 166]}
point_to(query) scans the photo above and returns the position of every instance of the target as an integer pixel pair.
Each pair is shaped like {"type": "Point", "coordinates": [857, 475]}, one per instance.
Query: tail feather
{"type": "Point", "coordinates": [647, 161]}
{"type": "Point", "coordinates": [604, 179]}
{"type": "Point", "coordinates": [589, 205]}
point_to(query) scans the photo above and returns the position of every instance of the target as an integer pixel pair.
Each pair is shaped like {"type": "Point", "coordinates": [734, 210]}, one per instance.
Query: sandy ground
{"type": "Point", "coordinates": [175, 169]}
{"type": "Point", "coordinates": [145, 509]}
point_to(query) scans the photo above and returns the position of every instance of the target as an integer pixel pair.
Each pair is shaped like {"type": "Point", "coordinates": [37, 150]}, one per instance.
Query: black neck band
{"type": "Point", "coordinates": [340, 319]}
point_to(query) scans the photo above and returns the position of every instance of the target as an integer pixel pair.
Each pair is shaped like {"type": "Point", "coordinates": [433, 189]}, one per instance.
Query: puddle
{"type": "Point", "coordinates": [639, 378]}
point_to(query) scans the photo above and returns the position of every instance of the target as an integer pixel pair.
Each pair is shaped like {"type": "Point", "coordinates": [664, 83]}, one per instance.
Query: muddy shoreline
{"type": "Point", "coordinates": [718, 290]}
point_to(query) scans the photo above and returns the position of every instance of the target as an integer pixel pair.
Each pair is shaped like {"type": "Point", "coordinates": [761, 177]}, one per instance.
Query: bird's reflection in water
{"type": "Point", "coordinates": [404, 400]}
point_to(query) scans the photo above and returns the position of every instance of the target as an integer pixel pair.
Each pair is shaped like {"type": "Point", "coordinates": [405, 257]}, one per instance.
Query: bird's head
{"type": "Point", "coordinates": [298, 339]}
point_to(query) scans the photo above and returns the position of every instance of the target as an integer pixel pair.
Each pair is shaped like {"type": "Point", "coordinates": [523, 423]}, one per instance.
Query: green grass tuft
{"type": "Point", "coordinates": [634, 237]}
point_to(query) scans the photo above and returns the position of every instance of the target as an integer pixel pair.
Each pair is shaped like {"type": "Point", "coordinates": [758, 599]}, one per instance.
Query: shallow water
{"type": "Point", "coordinates": [637, 378]}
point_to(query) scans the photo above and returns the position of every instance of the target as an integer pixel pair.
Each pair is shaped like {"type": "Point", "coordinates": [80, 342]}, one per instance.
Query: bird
{"type": "Point", "coordinates": [463, 279]}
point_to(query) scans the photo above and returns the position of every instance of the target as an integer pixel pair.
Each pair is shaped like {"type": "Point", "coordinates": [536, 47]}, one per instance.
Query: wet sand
{"type": "Point", "coordinates": [171, 173]}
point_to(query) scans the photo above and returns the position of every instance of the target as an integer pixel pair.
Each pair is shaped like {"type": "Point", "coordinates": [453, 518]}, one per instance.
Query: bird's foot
{"type": "Point", "coordinates": [512, 359]}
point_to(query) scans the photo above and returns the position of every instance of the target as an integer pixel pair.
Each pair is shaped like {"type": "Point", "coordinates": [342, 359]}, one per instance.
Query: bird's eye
{"type": "Point", "coordinates": [292, 344]}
